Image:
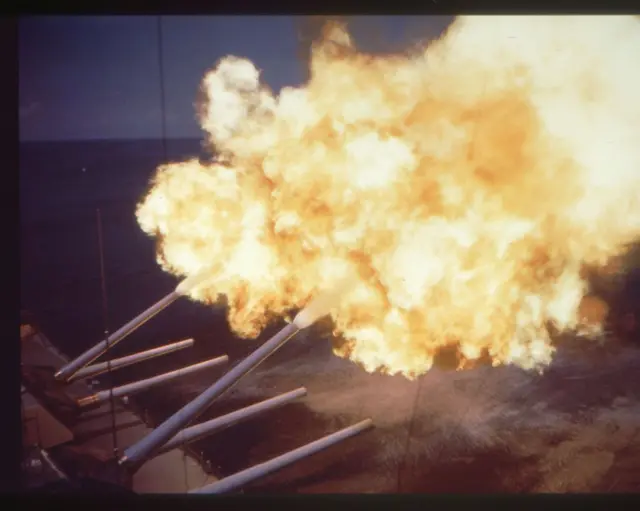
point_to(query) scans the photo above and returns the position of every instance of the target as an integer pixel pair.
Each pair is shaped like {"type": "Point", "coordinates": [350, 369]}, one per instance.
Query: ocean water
{"type": "Point", "coordinates": [61, 187]}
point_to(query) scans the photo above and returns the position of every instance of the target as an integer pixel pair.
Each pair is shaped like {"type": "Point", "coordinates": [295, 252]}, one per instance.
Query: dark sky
{"type": "Point", "coordinates": [87, 77]}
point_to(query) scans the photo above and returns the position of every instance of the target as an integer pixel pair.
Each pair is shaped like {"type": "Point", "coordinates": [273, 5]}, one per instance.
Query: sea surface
{"type": "Point", "coordinates": [62, 185]}
{"type": "Point", "coordinates": [574, 428]}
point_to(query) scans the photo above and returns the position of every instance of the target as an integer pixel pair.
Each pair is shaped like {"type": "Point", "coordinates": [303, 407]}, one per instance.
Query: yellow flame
{"type": "Point", "coordinates": [464, 187]}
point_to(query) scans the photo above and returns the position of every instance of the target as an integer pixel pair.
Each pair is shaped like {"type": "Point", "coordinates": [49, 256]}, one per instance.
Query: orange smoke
{"type": "Point", "coordinates": [462, 188]}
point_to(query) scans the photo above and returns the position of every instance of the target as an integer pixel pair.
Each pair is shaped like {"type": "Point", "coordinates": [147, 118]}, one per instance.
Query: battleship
{"type": "Point", "coordinates": [71, 429]}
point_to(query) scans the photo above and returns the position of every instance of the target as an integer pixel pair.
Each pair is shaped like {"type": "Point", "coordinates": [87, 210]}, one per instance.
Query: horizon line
{"type": "Point", "coordinates": [128, 139]}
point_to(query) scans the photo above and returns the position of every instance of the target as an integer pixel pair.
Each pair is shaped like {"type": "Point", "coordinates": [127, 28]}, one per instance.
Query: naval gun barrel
{"type": "Point", "coordinates": [195, 433]}
{"type": "Point", "coordinates": [91, 354]}
{"type": "Point", "coordinates": [261, 470]}
{"type": "Point", "coordinates": [151, 443]}
{"type": "Point", "coordinates": [145, 448]}
{"type": "Point", "coordinates": [141, 385]}
{"type": "Point", "coordinates": [119, 363]}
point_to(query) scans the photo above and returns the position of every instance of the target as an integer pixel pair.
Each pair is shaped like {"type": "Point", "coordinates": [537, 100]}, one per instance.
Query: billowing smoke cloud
{"type": "Point", "coordinates": [463, 188]}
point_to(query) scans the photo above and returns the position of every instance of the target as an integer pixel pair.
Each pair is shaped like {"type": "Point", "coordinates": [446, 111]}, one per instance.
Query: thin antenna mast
{"type": "Point", "coordinates": [105, 318]}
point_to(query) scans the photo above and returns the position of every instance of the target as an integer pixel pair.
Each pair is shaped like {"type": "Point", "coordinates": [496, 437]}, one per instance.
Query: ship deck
{"type": "Point", "coordinates": [173, 472]}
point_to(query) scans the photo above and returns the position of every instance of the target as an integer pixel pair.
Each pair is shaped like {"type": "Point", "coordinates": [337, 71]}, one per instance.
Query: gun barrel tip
{"type": "Point", "coordinates": [222, 359]}
{"type": "Point", "coordinates": [88, 400]}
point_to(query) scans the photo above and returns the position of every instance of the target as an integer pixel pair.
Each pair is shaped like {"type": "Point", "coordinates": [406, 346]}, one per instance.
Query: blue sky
{"type": "Point", "coordinates": [98, 77]}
